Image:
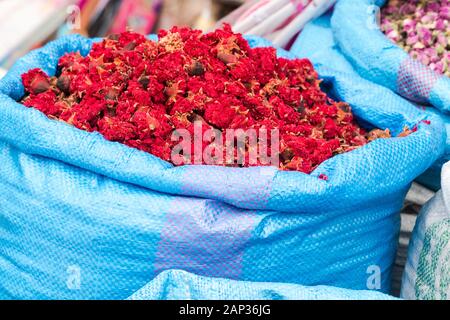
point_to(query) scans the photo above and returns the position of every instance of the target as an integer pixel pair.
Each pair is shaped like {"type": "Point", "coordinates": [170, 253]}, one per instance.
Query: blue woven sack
{"type": "Point", "coordinates": [85, 218]}
{"type": "Point", "coordinates": [182, 285]}
{"type": "Point", "coordinates": [319, 42]}
{"type": "Point", "coordinates": [376, 58]}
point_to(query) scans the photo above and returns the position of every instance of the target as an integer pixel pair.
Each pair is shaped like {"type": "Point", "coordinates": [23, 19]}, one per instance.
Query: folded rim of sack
{"type": "Point", "coordinates": [378, 59]}
{"type": "Point", "coordinates": [181, 285]}
{"type": "Point", "coordinates": [379, 167]}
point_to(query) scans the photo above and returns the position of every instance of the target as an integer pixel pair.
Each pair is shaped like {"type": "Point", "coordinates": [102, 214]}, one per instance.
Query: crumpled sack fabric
{"type": "Point", "coordinates": [182, 285]}
{"type": "Point", "coordinates": [319, 42]}
{"type": "Point", "coordinates": [86, 218]}
{"type": "Point", "coordinates": [427, 270]}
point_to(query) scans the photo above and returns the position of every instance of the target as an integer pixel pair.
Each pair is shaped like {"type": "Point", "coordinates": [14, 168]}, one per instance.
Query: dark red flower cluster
{"type": "Point", "coordinates": [137, 92]}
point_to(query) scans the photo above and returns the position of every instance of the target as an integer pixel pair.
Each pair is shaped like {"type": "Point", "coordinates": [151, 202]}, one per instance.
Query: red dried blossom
{"type": "Point", "coordinates": [137, 92]}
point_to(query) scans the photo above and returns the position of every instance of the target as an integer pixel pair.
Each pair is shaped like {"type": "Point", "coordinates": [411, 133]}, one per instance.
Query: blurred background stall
{"type": "Point", "coordinates": [25, 24]}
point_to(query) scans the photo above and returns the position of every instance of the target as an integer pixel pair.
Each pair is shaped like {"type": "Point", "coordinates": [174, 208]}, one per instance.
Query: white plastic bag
{"type": "Point", "coordinates": [427, 271]}
{"type": "Point", "coordinates": [277, 20]}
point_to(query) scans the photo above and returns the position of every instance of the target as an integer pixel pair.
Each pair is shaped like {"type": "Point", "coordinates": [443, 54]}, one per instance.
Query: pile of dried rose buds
{"type": "Point", "coordinates": [138, 92]}
{"type": "Point", "coordinates": [422, 28]}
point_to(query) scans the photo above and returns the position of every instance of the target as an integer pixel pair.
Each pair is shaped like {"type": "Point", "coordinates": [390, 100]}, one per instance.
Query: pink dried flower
{"type": "Point", "coordinates": [422, 28]}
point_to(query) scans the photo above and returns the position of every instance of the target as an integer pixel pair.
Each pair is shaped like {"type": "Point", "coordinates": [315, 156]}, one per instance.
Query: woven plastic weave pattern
{"type": "Point", "coordinates": [181, 285]}
{"type": "Point", "coordinates": [86, 218]}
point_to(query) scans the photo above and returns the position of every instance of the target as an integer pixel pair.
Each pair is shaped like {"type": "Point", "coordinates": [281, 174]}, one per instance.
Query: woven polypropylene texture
{"type": "Point", "coordinates": [181, 285]}
{"type": "Point", "coordinates": [317, 42]}
{"type": "Point", "coordinates": [376, 58]}
{"type": "Point", "coordinates": [86, 218]}
{"type": "Point", "coordinates": [427, 269]}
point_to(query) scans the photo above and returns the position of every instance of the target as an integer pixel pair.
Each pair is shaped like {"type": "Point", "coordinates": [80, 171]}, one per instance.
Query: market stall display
{"type": "Point", "coordinates": [370, 54]}
{"type": "Point", "coordinates": [92, 199]}
{"type": "Point", "coordinates": [378, 59]}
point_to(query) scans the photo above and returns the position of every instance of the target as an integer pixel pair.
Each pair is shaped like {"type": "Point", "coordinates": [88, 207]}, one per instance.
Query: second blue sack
{"type": "Point", "coordinates": [86, 218]}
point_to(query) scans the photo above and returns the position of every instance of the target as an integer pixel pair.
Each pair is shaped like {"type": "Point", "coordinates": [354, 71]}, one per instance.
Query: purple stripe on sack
{"type": "Point", "coordinates": [205, 237]}
{"type": "Point", "coordinates": [242, 187]}
{"type": "Point", "coordinates": [415, 81]}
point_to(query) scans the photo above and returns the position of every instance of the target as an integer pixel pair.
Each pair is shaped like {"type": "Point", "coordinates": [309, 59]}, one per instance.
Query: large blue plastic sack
{"type": "Point", "coordinates": [182, 285]}
{"type": "Point", "coordinates": [82, 217]}
{"type": "Point", "coordinates": [318, 42]}
{"type": "Point", "coordinates": [378, 59]}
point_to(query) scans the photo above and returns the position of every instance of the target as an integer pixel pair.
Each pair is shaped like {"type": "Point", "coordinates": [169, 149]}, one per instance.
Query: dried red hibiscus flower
{"type": "Point", "coordinates": [137, 92]}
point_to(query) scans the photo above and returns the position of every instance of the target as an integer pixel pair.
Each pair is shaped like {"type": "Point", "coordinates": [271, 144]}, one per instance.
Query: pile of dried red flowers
{"type": "Point", "coordinates": [137, 92]}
